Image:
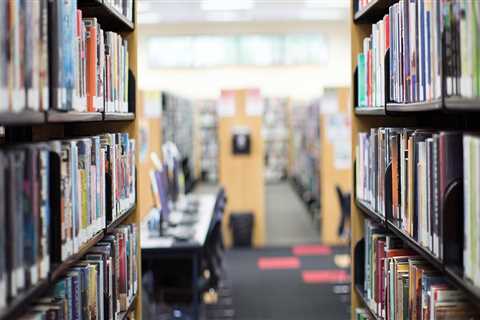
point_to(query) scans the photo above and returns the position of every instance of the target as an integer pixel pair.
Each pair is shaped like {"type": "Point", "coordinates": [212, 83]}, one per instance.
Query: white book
{"type": "Point", "coordinates": [467, 204]}
{"type": "Point", "coordinates": [476, 235]}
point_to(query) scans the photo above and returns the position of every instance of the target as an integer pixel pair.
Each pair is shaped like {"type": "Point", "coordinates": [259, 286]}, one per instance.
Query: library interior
{"type": "Point", "coordinates": [240, 159]}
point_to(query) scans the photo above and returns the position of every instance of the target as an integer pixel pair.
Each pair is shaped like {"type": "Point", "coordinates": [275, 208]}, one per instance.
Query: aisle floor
{"type": "Point", "coordinates": [288, 286]}
{"type": "Point", "coordinates": [288, 221]}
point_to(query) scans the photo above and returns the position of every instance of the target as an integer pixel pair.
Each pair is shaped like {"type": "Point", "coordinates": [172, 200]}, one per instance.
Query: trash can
{"type": "Point", "coordinates": [241, 224]}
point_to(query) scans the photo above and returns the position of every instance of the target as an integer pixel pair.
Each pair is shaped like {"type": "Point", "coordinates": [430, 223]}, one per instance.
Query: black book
{"type": "Point", "coordinates": [14, 232]}
{"type": "Point", "coordinates": [3, 229]}
{"type": "Point", "coordinates": [417, 136]}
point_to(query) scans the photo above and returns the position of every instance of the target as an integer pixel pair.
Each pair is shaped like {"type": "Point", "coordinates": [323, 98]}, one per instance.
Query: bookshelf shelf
{"type": "Point", "coordinates": [447, 117]}
{"type": "Point", "coordinates": [455, 277]}
{"type": "Point", "coordinates": [376, 111]}
{"type": "Point", "coordinates": [16, 307]}
{"type": "Point", "coordinates": [413, 244]}
{"type": "Point", "coordinates": [415, 107]}
{"type": "Point", "coordinates": [108, 17]}
{"type": "Point", "coordinates": [119, 220]}
{"type": "Point", "coordinates": [360, 291]}
{"type": "Point", "coordinates": [118, 116]}
{"type": "Point", "coordinates": [72, 116]}
{"type": "Point", "coordinates": [461, 104]}
{"type": "Point", "coordinates": [372, 215]}
{"type": "Point", "coordinates": [65, 265]}
{"type": "Point", "coordinates": [374, 11]}
{"type": "Point", "coordinates": [39, 127]}
{"type": "Point", "coordinates": [21, 118]}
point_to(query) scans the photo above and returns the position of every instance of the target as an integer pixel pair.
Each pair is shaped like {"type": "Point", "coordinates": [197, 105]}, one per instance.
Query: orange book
{"type": "Point", "coordinates": [91, 55]}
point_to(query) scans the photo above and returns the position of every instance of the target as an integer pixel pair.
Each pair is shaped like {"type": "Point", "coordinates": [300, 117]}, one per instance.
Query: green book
{"type": "Point", "coordinates": [362, 96]}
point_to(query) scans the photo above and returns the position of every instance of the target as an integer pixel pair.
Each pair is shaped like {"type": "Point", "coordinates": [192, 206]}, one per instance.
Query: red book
{"type": "Point", "coordinates": [91, 40]}
{"type": "Point", "coordinates": [387, 31]}
{"type": "Point", "coordinates": [400, 253]}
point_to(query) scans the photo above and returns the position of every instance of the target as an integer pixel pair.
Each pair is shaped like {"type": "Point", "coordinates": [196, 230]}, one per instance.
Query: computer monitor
{"type": "Point", "coordinates": [162, 186]}
{"type": "Point", "coordinates": [172, 159]}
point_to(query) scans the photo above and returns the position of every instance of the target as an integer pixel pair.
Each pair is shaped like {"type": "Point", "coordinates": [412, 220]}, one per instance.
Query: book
{"type": "Point", "coordinates": [471, 182]}
{"type": "Point", "coordinates": [424, 165]}
{"type": "Point", "coordinates": [88, 289]}
{"type": "Point", "coordinates": [401, 285]}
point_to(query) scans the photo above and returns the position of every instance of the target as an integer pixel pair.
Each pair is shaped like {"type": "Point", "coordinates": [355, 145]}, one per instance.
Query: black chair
{"type": "Point", "coordinates": [345, 206]}
{"type": "Point", "coordinates": [214, 247]}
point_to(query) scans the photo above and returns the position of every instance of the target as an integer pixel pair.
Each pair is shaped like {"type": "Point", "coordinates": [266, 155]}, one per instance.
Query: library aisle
{"type": "Point", "coordinates": [288, 220]}
{"type": "Point", "coordinates": [279, 283]}
{"type": "Point", "coordinates": [239, 159]}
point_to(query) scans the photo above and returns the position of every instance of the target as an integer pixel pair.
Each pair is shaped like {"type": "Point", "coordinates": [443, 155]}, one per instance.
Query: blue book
{"type": "Point", "coordinates": [66, 16]}
{"type": "Point", "coordinates": [362, 97]}
{"type": "Point", "coordinates": [43, 228]}
{"type": "Point", "coordinates": [423, 49]}
{"type": "Point", "coordinates": [30, 215]}
{"type": "Point", "coordinates": [76, 304]}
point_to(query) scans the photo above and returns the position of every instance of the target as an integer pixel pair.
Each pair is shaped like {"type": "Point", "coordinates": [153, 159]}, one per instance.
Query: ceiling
{"type": "Point", "coordinates": [186, 11]}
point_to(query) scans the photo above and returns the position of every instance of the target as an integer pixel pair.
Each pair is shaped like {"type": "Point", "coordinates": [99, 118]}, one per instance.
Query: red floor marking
{"type": "Point", "coordinates": [269, 263]}
{"type": "Point", "coordinates": [325, 276]}
{"type": "Point", "coordinates": [312, 250]}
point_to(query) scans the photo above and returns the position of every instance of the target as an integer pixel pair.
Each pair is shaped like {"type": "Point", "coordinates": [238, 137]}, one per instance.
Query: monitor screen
{"type": "Point", "coordinates": [162, 186]}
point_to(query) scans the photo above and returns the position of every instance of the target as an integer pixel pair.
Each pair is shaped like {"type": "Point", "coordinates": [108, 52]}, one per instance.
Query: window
{"type": "Point", "coordinates": [257, 50]}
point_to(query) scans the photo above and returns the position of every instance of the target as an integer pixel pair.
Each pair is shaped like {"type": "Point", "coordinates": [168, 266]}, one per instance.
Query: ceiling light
{"type": "Point", "coordinates": [227, 5]}
{"type": "Point", "coordinates": [343, 4]}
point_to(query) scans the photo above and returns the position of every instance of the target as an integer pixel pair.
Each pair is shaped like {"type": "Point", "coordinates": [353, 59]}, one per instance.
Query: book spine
{"type": "Point", "coordinates": [92, 64]}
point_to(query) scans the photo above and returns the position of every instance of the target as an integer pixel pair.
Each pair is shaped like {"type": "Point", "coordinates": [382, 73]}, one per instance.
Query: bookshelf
{"type": "Point", "coordinates": [448, 113]}
{"type": "Point", "coordinates": [246, 187]}
{"type": "Point", "coordinates": [30, 126]}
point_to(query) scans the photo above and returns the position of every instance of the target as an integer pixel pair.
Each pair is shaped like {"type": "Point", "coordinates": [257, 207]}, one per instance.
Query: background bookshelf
{"type": "Point", "coordinates": [29, 126]}
{"type": "Point", "coordinates": [446, 113]}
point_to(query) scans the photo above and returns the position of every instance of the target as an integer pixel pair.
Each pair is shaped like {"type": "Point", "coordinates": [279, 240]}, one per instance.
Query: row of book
{"type": "Point", "coordinates": [54, 58]}
{"type": "Point", "coordinates": [95, 185]}
{"type": "Point", "coordinates": [100, 286]}
{"type": "Point", "coordinates": [371, 66]}
{"type": "Point", "coordinates": [24, 218]}
{"type": "Point", "coordinates": [426, 39]}
{"type": "Point", "coordinates": [92, 63]}
{"type": "Point", "coordinates": [401, 285]}
{"type": "Point", "coordinates": [424, 164]}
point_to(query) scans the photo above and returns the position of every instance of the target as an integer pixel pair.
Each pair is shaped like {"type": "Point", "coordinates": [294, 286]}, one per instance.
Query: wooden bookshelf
{"type": "Point", "coordinates": [44, 126]}
{"type": "Point", "coordinates": [446, 113]}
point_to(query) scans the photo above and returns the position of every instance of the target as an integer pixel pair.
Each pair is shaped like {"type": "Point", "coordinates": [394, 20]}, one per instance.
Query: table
{"type": "Point", "coordinates": [155, 247]}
